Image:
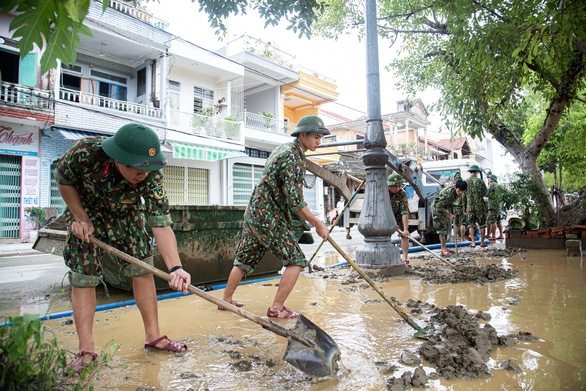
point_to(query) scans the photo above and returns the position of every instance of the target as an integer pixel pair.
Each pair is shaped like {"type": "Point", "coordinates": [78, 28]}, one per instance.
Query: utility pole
{"type": "Point", "coordinates": [377, 222]}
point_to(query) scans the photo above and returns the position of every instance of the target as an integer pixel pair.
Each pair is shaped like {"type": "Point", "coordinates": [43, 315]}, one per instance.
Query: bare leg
{"type": "Point", "coordinates": [482, 234]}
{"type": "Point", "coordinates": [233, 280]}
{"type": "Point", "coordinates": [443, 242]}
{"type": "Point", "coordinates": [146, 301]}
{"type": "Point", "coordinates": [286, 285]}
{"type": "Point", "coordinates": [405, 248]}
{"type": "Point", "coordinates": [472, 237]}
{"type": "Point", "coordinates": [500, 225]}
{"type": "Point", "coordinates": [463, 232]}
{"type": "Point", "coordinates": [83, 301]}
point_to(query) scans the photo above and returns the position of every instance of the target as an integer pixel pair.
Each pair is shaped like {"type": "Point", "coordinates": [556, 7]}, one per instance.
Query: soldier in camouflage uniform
{"type": "Point", "coordinates": [459, 212]}
{"type": "Point", "coordinates": [400, 205]}
{"type": "Point", "coordinates": [109, 186]}
{"type": "Point", "coordinates": [475, 205]}
{"type": "Point", "coordinates": [441, 209]}
{"type": "Point", "coordinates": [493, 219]}
{"type": "Point", "coordinates": [267, 220]}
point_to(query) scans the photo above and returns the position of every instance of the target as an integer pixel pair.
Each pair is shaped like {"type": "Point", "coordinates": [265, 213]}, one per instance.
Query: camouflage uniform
{"type": "Point", "coordinates": [115, 207]}
{"type": "Point", "coordinates": [459, 204]}
{"type": "Point", "coordinates": [400, 205]}
{"type": "Point", "coordinates": [267, 220]}
{"type": "Point", "coordinates": [443, 201]}
{"type": "Point", "coordinates": [475, 205]}
{"type": "Point", "coordinates": [494, 203]}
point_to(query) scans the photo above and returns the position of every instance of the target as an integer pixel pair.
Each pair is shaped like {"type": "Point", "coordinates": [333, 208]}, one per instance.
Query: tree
{"type": "Point", "coordinates": [55, 25]}
{"type": "Point", "coordinates": [484, 56]}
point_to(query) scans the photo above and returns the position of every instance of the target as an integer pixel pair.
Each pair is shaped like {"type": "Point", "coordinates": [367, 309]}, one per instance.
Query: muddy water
{"type": "Point", "coordinates": [547, 298]}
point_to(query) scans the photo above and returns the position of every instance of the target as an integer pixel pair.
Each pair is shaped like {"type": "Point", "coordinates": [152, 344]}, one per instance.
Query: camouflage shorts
{"type": "Point", "coordinates": [476, 216]}
{"type": "Point", "coordinates": [493, 216]}
{"type": "Point", "coordinates": [441, 223]}
{"type": "Point", "coordinates": [256, 241]}
{"type": "Point", "coordinates": [85, 260]}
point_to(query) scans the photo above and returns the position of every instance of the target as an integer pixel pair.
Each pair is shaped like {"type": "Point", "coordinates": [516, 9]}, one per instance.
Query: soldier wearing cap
{"type": "Point", "coordinates": [441, 210]}
{"type": "Point", "coordinates": [493, 218]}
{"type": "Point", "coordinates": [400, 205]}
{"type": "Point", "coordinates": [113, 188]}
{"type": "Point", "coordinates": [268, 217]}
{"type": "Point", "coordinates": [475, 206]}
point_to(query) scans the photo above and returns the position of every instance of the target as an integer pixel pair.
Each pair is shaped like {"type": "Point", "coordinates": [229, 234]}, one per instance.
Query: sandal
{"type": "Point", "coordinates": [172, 346]}
{"type": "Point", "coordinates": [236, 303]}
{"type": "Point", "coordinates": [446, 253]}
{"type": "Point", "coordinates": [77, 365]}
{"type": "Point", "coordinates": [483, 244]}
{"type": "Point", "coordinates": [288, 313]}
{"type": "Point", "coordinates": [406, 262]}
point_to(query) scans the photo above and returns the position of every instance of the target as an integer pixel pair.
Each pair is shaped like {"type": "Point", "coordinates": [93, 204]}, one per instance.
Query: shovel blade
{"type": "Point", "coordinates": [320, 360]}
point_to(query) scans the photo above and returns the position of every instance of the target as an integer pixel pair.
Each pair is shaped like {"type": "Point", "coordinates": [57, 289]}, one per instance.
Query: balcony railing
{"type": "Point", "coordinates": [202, 125]}
{"type": "Point", "coordinates": [105, 102]}
{"type": "Point", "coordinates": [259, 121]}
{"type": "Point", "coordinates": [139, 14]}
{"type": "Point", "coordinates": [262, 49]}
{"type": "Point", "coordinates": [26, 97]}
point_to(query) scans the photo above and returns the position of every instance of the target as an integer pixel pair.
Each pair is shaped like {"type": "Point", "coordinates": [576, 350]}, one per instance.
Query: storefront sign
{"type": "Point", "coordinates": [17, 140]}
{"type": "Point", "coordinates": [29, 194]}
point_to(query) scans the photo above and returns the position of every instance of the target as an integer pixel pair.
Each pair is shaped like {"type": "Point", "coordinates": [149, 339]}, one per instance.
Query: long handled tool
{"type": "Point", "coordinates": [336, 222]}
{"type": "Point", "coordinates": [309, 348]}
{"type": "Point", "coordinates": [456, 238]}
{"type": "Point", "coordinates": [420, 333]}
{"type": "Point", "coordinates": [431, 252]}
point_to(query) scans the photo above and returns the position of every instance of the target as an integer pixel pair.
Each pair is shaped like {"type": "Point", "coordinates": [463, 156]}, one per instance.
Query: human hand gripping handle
{"type": "Point", "coordinates": [181, 280]}
{"type": "Point", "coordinates": [82, 229]}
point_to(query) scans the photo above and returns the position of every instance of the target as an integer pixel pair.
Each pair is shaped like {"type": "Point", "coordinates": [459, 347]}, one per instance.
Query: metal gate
{"type": "Point", "coordinates": [10, 167]}
{"type": "Point", "coordinates": [56, 201]}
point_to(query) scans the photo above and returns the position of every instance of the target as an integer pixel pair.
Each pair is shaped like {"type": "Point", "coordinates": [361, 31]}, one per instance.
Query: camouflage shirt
{"type": "Point", "coordinates": [475, 194]}
{"type": "Point", "coordinates": [494, 196]}
{"type": "Point", "coordinates": [445, 200]}
{"type": "Point", "coordinates": [104, 193]}
{"type": "Point", "coordinates": [400, 204]}
{"type": "Point", "coordinates": [279, 193]}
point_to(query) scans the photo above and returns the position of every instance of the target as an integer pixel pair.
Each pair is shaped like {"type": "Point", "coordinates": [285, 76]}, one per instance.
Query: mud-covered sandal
{"type": "Point", "coordinates": [77, 365]}
{"type": "Point", "coordinates": [446, 253]}
{"type": "Point", "coordinates": [236, 303]}
{"type": "Point", "coordinates": [172, 346]}
{"type": "Point", "coordinates": [287, 313]}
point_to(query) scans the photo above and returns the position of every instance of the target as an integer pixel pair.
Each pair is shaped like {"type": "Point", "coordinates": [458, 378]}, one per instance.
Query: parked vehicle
{"type": "Point", "coordinates": [207, 237]}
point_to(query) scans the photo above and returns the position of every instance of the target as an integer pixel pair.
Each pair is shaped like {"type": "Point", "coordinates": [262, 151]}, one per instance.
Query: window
{"type": "Point", "coordinates": [329, 139]}
{"type": "Point", "coordinates": [186, 185]}
{"type": "Point", "coordinates": [244, 178]}
{"type": "Point", "coordinates": [9, 65]}
{"type": "Point", "coordinates": [109, 90]}
{"type": "Point", "coordinates": [203, 100]}
{"type": "Point", "coordinates": [174, 86]}
{"type": "Point", "coordinates": [141, 82]}
{"type": "Point", "coordinates": [253, 152]}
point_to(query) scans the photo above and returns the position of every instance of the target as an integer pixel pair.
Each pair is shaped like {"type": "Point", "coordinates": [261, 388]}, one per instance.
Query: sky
{"type": "Point", "coordinates": [343, 60]}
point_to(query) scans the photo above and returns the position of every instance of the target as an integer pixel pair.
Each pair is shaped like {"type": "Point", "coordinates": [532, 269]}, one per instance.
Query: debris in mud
{"type": "Point", "coordinates": [235, 355]}
{"type": "Point", "coordinates": [270, 363]}
{"type": "Point", "coordinates": [385, 367]}
{"type": "Point", "coordinates": [510, 365]}
{"type": "Point", "coordinates": [515, 300]}
{"type": "Point", "coordinates": [242, 365]}
{"type": "Point", "coordinates": [406, 381]}
{"type": "Point", "coordinates": [188, 375]}
{"type": "Point", "coordinates": [483, 316]}
{"type": "Point", "coordinates": [408, 358]}
{"type": "Point", "coordinates": [67, 322]}
{"type": "Point", "coordinates": [478, 274]}
{"type": "Point", "coordinates": [462, 347]}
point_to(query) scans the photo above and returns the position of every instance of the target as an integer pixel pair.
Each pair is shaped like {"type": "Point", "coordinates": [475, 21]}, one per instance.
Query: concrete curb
{"type": "Point", "coordinates": [13, 253]}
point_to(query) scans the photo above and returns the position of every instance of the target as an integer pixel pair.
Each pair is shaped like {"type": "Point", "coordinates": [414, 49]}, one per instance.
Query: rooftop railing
{"type": "Point", "coordinates": [109, 103]}
{"type": "Point", "coordinates": [26, 97]}
{"type": "Point", "coordinates": [262, 49]}
{"type": "Point", "coordinates": [138, 13]}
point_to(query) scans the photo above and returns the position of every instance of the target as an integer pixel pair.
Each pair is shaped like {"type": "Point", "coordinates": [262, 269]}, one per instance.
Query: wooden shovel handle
{"type": "Point", "coordinates": [271, 326]}
{"type": "Point", "coordinates": [431, 252]}
{"type": "Point", "coordinates": [373, 285]}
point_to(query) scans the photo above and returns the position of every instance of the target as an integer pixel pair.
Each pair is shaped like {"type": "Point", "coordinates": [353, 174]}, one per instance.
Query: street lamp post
{"type": "Point", "coordinates": [377, 222]}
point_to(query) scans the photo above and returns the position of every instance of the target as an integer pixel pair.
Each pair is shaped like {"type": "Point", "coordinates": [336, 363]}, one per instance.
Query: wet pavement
{"type": "Point", "coordinates": [545, 297]}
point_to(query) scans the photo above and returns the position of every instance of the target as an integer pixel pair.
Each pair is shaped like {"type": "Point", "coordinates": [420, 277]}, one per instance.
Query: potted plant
{"type": "Point", "coordinates": [36, 215]}
{"type": "Point", "coordinates": [155, 99]}
{"type": "Point", "coordinates": [268, 119]}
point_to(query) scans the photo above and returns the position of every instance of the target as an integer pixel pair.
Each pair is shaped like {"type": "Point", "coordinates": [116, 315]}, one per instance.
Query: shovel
{"type": "Point", "coordinates": [309, 348]}
{"type": "Point", "coordinates": [431, 252]}
{"type": "Point", "coordinates": [420, 333]}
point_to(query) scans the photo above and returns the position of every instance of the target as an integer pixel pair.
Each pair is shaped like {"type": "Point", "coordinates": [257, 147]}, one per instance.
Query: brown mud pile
{"type": "Point", "coordinates": [478, 274]}
{"type": "Point", "coordinates": [459, 348]}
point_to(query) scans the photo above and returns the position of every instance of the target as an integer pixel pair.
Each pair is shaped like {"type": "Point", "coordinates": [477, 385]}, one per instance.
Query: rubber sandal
{"type": "Point", "coordinates": [446, 253]}
{"type": "Point", "coordinates": [472, 246]}
{"type": "Point", "coordinates": [483, 245]}
{"type": "Point", "coordinates": [236, 303]}
{"type": "Point", "coordinates": [172, 346]}
{"type": "Point", "coordinates": [77, 365]}
{"type": "Point", "coordinates": [407, 263]}
{"type": "Point", "coordinates": [276, 314]}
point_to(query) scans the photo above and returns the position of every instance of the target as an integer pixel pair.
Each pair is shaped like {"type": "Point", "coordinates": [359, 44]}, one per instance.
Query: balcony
{"type": "Point", "coordinates": [137, 13]}
{"type": "Point", "coordinates": [26, 98]}
{"type": "Point", "coordinates": [202, 125]}
{"type": "Point", "coordinates": [268, 124]}
{"type": "Point", "coordinates": [109, 103]}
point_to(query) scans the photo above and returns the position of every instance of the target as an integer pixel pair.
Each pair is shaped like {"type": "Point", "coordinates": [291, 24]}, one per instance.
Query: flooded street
{"type": "Point", "coordinates": [547, 298]}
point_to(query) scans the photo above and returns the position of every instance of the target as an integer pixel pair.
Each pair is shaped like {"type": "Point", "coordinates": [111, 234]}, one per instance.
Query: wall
{"type": "Point", "coordinates": [53, 147]}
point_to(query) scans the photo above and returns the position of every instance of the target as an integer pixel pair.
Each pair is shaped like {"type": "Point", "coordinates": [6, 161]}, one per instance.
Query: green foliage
{"type": "Point", "coordinates": [37, 214]}
{"type": "Point", "coordinates": [31, 361]}
{"type": "Point", "coordinates": [522, 195]}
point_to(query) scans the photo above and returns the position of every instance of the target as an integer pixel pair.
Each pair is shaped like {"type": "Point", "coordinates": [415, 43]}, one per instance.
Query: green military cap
{"type": "Point", "coordinates": [395, 179]}
{"type": "Point", "coordinates": [493, 177]}
{"type": "Point", "coordinates": [474, 167]}
{"type": "Point", "coordinates": [136, 146]}
{"type": "Point", "coordinates": [310, 123]}
{"type": "Point", "coordinates": [575, 194]}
